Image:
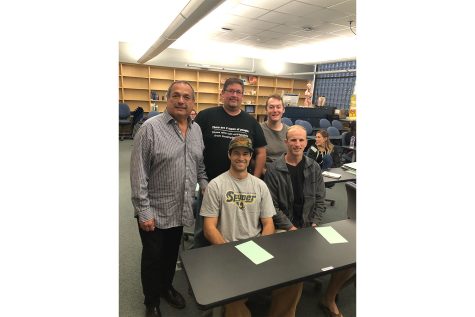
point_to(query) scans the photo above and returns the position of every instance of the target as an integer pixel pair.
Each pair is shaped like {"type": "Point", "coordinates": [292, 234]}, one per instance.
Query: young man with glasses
{"type": "Point", "coordinates": [219, 125]}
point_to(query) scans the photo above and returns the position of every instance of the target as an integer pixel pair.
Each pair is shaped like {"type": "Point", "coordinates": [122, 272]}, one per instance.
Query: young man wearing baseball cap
{"type": "Point", "coordinates": [235, 204]}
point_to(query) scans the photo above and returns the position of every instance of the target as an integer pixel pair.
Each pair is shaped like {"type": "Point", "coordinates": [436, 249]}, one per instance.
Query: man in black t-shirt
{"type": "Point", "coordinates": [218, 126]}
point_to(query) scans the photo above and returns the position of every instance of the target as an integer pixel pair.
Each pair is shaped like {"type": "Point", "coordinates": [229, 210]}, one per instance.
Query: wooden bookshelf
{"type": "Point", "coordinates": [299, 87]}
{"type": "Point", "coordinates": [137, 82]}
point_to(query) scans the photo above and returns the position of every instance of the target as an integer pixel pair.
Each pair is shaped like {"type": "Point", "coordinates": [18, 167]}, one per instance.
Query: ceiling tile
{"type": "Point", "coordinates": [308, 34]}
{"type": "Point", "coordinates": [298, 8]}
{"type": "Point", "coordinates": [261, 25]}
{"type": "Point", "coordinates": [323, 3]}
{"type": "Point", "coordinates": [230, 36]}
{"type": "Point", "coordinates": [346, 32]}
{"type": "Point", "coordinates": [266, 4]}
{"type": "Point", "coordinates": [278, 17]}
{"type": "Point", "coordinates": [291, 37]}
{"type": "Point", "coordinates": [236, 20]}
{"type": "Point", "coordinates": [270, 34]}
{"type": "Point", "coordinates": [305, 21]}
{"type": "Point", "coordinates": [329, 15]}
{"type": "Point", "coordinates": [278, 24]}
{"type": "Point", "coordinates": [287, 29]}
{"type": "Point", "coordinates": [329, 27]}
{"type": "Point", "coordinates": [245, 29]}
{"type": "Point", "coordinates": [346, 20]}
{"type": "Point", "coordinates": [348, 6]}
{"type": "Point", "coordinates": [248, 11]}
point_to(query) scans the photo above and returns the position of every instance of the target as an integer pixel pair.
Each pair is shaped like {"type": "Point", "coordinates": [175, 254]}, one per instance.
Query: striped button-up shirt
{"type": "Point", "coordinates": [164, 170]}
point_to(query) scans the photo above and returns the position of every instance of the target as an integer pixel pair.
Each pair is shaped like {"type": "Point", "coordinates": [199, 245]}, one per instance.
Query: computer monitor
{"type": "Point", "coordinates": [290, 100]}
{"type": "Point", "coordinates": [250, 108]}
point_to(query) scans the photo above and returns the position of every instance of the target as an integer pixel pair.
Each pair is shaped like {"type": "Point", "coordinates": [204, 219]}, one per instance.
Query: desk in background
{"type": "Point", "coordinates": [220, 274]}
{"type": "Point", "coordinates": [345, 176]}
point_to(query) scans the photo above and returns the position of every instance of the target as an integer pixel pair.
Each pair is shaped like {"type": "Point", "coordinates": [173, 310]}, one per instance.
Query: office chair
{"type": "Point", "coordinates": [344, 142]}
{"type": "Point", "coordinates": [337, 124]}
{"type": "Point", "coordinates": [307, 125]}
{"type": "Point", "coordinates": [189, 232]}
{"type": "Point", "coordinates": [125, 121]}
{"type": "Point", "coordinates": [351, 194]}
{"type": "Point", "coordinates": [324, 124]}
{"type": "Point", "coordinates": [142, 120]}
{"type": "Point", "coordinates": [152, 114]}
{"type": "Point", "coordinates": [331, 201]}
{"type": "Point", "coordinates": [137, 118]}
{"type": "Point", "coordinates": [346, 154]}
{"type": "Point", "coordinates": [287, 121]}
{"type": "Point", "coordinates": [334, 135]}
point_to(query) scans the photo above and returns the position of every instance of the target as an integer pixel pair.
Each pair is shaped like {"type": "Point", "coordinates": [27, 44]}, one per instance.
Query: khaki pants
{"type": "Point", "coordinates": [284, 303]}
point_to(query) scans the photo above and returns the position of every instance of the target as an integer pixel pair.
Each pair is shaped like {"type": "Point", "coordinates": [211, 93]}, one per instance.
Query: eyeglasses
{"type": "Point", "coordinates": [232, 92]}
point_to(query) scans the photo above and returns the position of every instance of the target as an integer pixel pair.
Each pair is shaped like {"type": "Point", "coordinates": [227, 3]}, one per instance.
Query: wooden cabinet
{"type": "Point", "coordinates": [146, 86]}
{"type": "Point", "coordinates": [207, 92]}
{"type": "Point", "coordinates": [134, 81]}
{"type": "Point", "coordinates": [160, 79]}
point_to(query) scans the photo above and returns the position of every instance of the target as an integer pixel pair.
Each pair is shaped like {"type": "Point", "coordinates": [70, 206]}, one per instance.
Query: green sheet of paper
{"type": "Point", "coordinates": [331, 235]}
{"type": "Point", "coordinates": [254, 252]}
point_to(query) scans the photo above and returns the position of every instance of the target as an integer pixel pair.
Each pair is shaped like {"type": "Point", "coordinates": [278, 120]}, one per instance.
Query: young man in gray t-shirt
{"type": "Point", "coordinates": [235, 204]}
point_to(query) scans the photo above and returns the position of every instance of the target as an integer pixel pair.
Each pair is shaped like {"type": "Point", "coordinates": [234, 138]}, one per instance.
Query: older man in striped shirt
{"type": "Point", "coordinates": [166, 164]}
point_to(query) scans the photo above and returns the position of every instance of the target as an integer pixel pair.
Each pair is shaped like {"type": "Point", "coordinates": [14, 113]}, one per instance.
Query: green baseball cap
{"type": "Point", "coordinates": [241, 141]}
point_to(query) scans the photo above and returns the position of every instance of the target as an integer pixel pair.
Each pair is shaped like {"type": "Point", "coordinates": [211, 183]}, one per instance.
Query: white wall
{"type": "Point", "coordinates": [180, 58]}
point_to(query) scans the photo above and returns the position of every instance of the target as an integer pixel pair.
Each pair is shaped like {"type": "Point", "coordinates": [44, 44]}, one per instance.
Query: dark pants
{"type": "Point", "coordinates": [159, 255]}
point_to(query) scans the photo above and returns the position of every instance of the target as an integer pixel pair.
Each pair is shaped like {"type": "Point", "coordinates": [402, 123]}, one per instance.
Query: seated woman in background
{"type": "Point", "coordinates": [324, 151]}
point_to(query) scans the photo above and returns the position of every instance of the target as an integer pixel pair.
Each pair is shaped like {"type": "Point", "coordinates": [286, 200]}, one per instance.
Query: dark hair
{"type": "Point", "coordinates": [169, 91]}
{"type": "Point", "coordinates": [275, 96]}
{"type": "Point", "coordinates": [231, 81]}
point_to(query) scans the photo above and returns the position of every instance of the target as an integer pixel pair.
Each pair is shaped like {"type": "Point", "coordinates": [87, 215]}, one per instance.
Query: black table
{"type": "Point", "coordinates": [220, 274]}
{"type": "Point", "coordinates": [345, 176]}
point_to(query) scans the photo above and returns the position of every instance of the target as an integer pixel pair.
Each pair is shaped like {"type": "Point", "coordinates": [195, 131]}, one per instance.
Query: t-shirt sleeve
{"type": "Point", "coordinates": [211, 204]}
{"type": "Point", "coordinates": [267, 206]}
{"type": "Point", "coordinates": [260, 139]}
{"type": "Point", "coordinates": [200, 118]}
